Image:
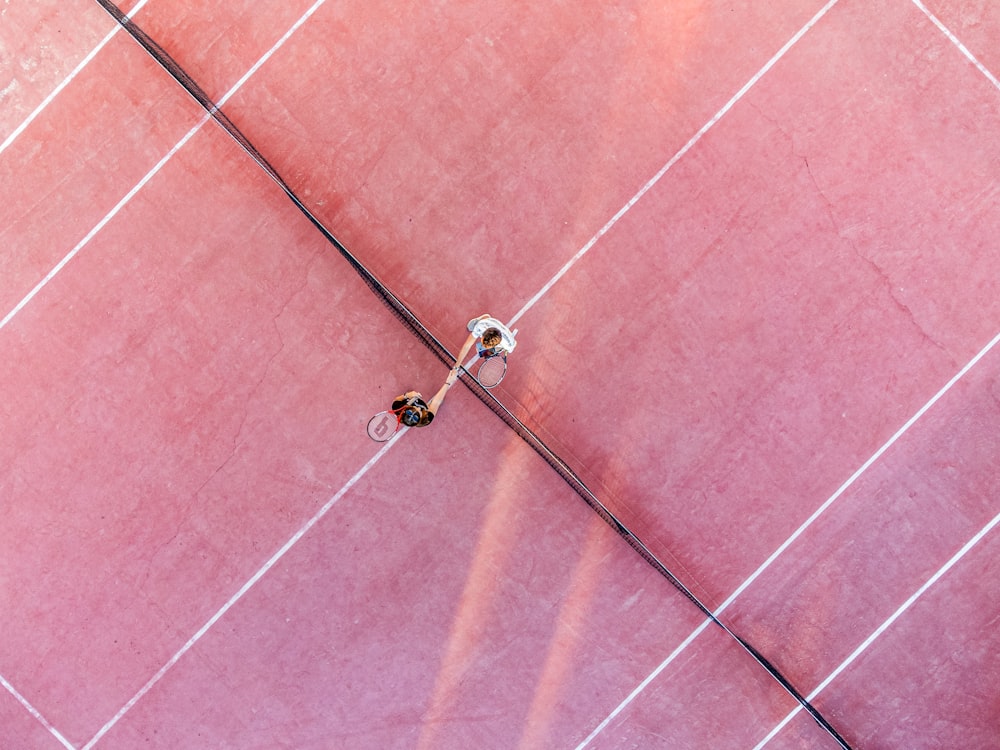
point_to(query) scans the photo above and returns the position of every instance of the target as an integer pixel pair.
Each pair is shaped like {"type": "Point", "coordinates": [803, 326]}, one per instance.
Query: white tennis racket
{"type": "Point", "coordinates": [491, 370]}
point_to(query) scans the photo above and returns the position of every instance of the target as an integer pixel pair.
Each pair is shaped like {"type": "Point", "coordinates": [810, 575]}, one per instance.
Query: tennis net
{"type": "Point", "coordinates": [418, 329]}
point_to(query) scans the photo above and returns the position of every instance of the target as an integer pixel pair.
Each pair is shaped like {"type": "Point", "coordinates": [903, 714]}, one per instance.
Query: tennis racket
{"type": "Point", "coordinates": [383, 426]}
{"type": "Point", "coordinates": [491, 370]}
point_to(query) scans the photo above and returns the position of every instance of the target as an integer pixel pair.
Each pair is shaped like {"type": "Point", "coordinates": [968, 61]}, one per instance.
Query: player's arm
{"type": "Point", "coordinates": [464, 352]}
{"type": "Point", "coordinates": [438, 397]}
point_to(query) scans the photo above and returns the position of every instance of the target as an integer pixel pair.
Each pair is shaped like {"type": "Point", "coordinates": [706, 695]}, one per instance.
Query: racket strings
{"type": "Point", "coordinates": [382, 426]}
{"type": "Point", "coordinates": [492, 370]}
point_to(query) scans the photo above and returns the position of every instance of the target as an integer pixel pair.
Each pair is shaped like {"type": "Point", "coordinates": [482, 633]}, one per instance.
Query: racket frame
{"type": "Point", "coordinates": [386, 414]}
{"type": "Point", "coordinates": [482, 363]}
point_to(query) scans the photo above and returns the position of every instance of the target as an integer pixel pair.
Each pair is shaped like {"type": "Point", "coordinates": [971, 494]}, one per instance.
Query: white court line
{"type": "Point", "coordinates": [3, 147]}
{"type": "Point", "coordinates": [245, 588]}
{"type": "Point", "coordinates": [66, 81]}
{"type": "Point", "coordinates": [644, 684]}
{"type": "Point", "coordinates": [854, 477]}
{"type": "Point", "coordinates": [100, 225]}
{"type": "Point", "coordinates": [676, 157]}
{"type": "Point", "coordinates": [69, 256]}
{"type": "Point", "coordinates": [580, 254]}
{"type": "Point", "coordinates": [884, 626]}
{"type": "Point", "coordinates": [795, 535]}
{"type": "Point", "coordinates": [819, 511]}
{"type": "Point", "coordinates": [34, 712]}
{"type": "Point", "coordinates": [972, 542]}
{"type": "Point", "coordinates": [955, 40]}
{"type": "Point", "coordinates": [149, 175]}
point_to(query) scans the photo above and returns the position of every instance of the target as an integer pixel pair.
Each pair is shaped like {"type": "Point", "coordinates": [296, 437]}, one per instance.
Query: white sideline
{"type": "Point", "coordinates": [34, 712]}
{"type": "Point", "coordinates": [100, 225]}
{"type": "Point", "coordinates": [159, 165]}
{"type": "Point", "coordinates": [968, 545]}
{"type": "Point", "coordinates": [244, 589]}
{"type": "Point", "coordinates": [66, 81]}
{"type": "Point", "coordinates": [690, 144]}
{"type": "Point", "coordinates": [66, 259]}
{"type": "Point", "coordinates": [3, 147]}
{"type": "Point", "coordinates": [674, 159]}
{"type": "Point", "coordinates": [361, 472]}
{"type": "Point", "coordinates": [955, 40]}
{"type": "Point", "coordinates": [743, 586]}
{"type": "Point", "coordinates": [884, 626]}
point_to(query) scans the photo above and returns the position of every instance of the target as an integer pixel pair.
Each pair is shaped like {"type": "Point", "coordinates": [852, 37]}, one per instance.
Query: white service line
{"type": "Point", "coordinates": [159, 165]}
{"type": "Point", "coordinates": [955, 40]}
{"type": "Point", "coordinates": [244, 589]}
{"type": "Point", "coordinates": [795, 535]}
{"type": "Point", "coordinates": [66, 81]}
{"type": "Point", "coordinates": [34, 712]}
{"type": "Point", "coordinates": [884, 626]}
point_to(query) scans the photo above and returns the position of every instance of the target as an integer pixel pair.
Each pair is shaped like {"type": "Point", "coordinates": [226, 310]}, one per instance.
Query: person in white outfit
{"type": "Point", "coordinates": [491, 336]}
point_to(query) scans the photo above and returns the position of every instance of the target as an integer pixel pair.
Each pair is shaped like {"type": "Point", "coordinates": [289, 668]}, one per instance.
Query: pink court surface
{"type": "Point", "coordinates": [751, 252]}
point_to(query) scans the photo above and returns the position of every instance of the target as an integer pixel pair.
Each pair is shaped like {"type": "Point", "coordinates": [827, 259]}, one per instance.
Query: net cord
{"type": "Point", "coordinates": [406, 316]}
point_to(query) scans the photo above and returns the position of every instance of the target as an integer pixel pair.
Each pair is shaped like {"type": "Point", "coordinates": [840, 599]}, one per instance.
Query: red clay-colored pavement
{"type": "Point", "coordinates": [787, 212]}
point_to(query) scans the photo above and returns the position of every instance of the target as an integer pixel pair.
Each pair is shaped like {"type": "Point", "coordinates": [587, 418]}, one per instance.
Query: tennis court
{"type": "Point", "coordinates": [742, 490]}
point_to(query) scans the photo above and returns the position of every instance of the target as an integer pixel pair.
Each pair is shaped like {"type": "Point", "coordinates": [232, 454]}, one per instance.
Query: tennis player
{"type": "Point", "coordinates": [413, 411]}
{"type": "Point", "coordinates": [491, 336]}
